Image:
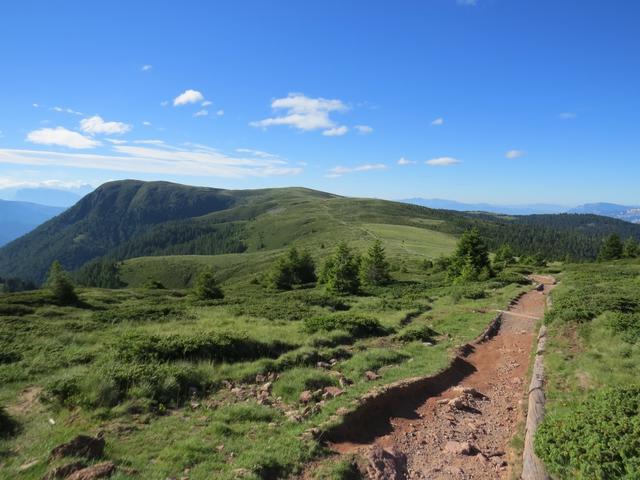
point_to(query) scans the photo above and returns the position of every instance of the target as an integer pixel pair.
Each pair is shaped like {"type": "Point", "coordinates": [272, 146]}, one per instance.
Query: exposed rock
{"type": "Point", "coordinates": [386, 464]}
{"type": "Point", "coordinates": [99, 470]}
{"type": "Point", "coordinates": [305, 397]}
{"type": "Point", "coordinates": [460, 448]}
{"type": "Point", "coordinates": [369, 375]}
{"type": "Point", "coordinates": [64, 471]}
{"type": "Point", "coordinates": [81, 446]}
{"type": "Point", "coordinates": [332, 392]}
{"type": "Point", "coordinates": [323, 365]}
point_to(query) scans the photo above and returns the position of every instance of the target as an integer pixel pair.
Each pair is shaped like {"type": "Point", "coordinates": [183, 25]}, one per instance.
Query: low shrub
{"type": "Point", "coordinates": [588, 303]}
{"type": "Point", "coordinates": [372, 360]}
{"type": "Point", "coordinates": [8, 426]}
{"type": "Point", "coordinates": [142, 313]}
{"type": "Point", "coordinates": [627, 325]}
{"type": "Point", "coordinates": [215, 346]}
{"type": "Point", "coordinates": [597, 438]}
{"type": "Point", "coordinates": [417, 333]}
{"type": "Point", "coordinates": [15, 310]}
{"type": "Point", "coordinates": [357, 325]}
{"type": "Point", "coordinates": [293, 382]}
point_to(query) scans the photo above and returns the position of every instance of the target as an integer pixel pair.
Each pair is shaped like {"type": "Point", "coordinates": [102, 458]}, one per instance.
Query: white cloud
{"type": "Point", "coordinates": [95, 125]}
{"type": "Point", "coordinates": [35, 105]}
{"type": "Point", "coordinates": [468, 3]}
{"type": "Point", "coordinates": [206, 103]}
{"type": "Point", "coordinates": [303, 113]}
{"type": "Point", "coordinates": [404, 161]}
{"type": "Point", "coordinates": [438, 121]}
{"type": "Point", "coordinates": [66, 110]}
{"type": "Point", "coordinates": [220, 113]}
{"type": "Point", "coordinates": [8, 182]}
{"type": "Point", "coordinates": [442, 162]}
{"type": "Point", "coordinates": [164, 103]}
{"type": "Point", "coordinates": [188, 96]}
{"type": "Point", "coordinates": [256, 153]}
{"type": "Point", "coordinates": [146, 123]}
{"type": "Point", "coordinates": [335, 131]}
{"type": "Point", "coordinates": [363, 129]}
{"type": "Point", "coordinates": [513, 154]}
{"type": "Point", "coordinates": [157, 159]}
{"type": "Point", "coordinates": [115, 141]}
{"type": "Point", "coordinates": [201, 113]}
{"type": "Point", "coordinates": [568, 115]}
{"type": "Point", "coordinates": [146, 68]}
{"type": "Point", "coordinates": [62, 137]}
{"type": "Point", "coordinates": [339, 171]}
{"type": "Point", "coordinates": [149, 142]}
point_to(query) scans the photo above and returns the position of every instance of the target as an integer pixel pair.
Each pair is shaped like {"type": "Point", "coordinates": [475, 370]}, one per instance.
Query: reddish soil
{"type": "Point", "coordinates": [460, 423]}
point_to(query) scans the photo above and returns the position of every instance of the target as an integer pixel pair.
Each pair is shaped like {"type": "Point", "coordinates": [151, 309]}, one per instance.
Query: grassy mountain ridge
{"type": "Point", "coordinates": [130, 219]}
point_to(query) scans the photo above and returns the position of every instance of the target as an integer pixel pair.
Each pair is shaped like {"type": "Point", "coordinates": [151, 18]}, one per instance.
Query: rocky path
{"type": "Point", "coordinates": [463, 430]}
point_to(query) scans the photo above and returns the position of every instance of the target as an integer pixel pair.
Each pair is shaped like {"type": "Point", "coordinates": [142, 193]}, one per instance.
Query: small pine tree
{"type": "Point", "coordinates": [470, 261]}
{"type": "Point", "coordinates": [60, 285]}
{"type": "Point", "coordinates": [374, 268]}
{"type": "Point", "coordinates": [294, 268]}
{"type": "Point", "coordinates": [631, 249]}
{"type": "Point", "coordinates": [611, 248]}
{"type": "Point", "coordinates": [206, 286]}
{"type": "Point", "coordinates": [504, 256]}
{"type": "Point", "coordinates": [341, 271]}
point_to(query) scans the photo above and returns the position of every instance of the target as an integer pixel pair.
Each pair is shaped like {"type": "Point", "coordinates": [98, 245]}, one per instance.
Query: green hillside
{"type": "Point", "coordinates": [131, 219]}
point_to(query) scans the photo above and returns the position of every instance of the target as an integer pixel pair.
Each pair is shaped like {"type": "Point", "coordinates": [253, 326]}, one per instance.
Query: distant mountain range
{"type": "Point", "coordinates": [55, 197]}
{"type": "Point", "coordinates": [19, 218]}
{"type": "Point", "coordinates": [621, 212]}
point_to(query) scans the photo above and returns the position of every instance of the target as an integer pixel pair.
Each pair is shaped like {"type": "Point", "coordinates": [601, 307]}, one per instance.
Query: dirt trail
{"type": "Point", "coordinates": [461, 426]}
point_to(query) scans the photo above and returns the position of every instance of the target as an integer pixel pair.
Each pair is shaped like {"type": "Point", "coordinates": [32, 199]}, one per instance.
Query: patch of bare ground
{"type": "Point", "coordinates": [459, 423]}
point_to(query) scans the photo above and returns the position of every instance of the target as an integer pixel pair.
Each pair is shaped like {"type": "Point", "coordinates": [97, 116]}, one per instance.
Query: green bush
{"type": "Point", "coordinates": [417, 333]}
{"type": "Point", "coordinates": [151, 284]}
{"type": "Point", "coordinates": [216, 346]}
{"type": "Point", "coordinates": [205, 286]}
{"type": "Point", "coordinates": [142, 313]}
{"type": "Point", "coordinates": [628, 325]}
{"type": "Point", "coordinates": [597, 438]}
{"type": "Point", "coordinates": [8, 426]}
{"type": "Point", "coordinates": [293, 382]}
{"type": "Point", "coordinates": [373, 359]}
{"type": "Point", "coordinates": [355, 324]}
{"type": "Point", "coordinates": [584, 304]}
{"type": "Point", "coordinates": [15, 310]}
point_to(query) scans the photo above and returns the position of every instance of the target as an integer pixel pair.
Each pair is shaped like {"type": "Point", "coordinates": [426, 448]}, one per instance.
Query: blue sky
{"type": "Point", "coordinates": [505, 101]}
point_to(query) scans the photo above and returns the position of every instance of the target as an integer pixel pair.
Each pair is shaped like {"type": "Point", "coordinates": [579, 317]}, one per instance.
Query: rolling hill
{"type": "Point", "coordinates": [134, 219]}
{"type": "Point", "coordinates": [18, 218]}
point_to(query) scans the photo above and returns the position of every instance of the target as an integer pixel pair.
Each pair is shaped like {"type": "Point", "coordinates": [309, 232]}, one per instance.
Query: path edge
{"type": "Point", "coordinates": [532, 467]}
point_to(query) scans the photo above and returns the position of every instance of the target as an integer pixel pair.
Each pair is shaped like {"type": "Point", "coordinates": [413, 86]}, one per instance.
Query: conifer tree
{"type": "Point", "coordinates": [206, 286]}
{"type": "Point", "coordinates": [294, 268]}
{"type": "Point", "coordinates": [470, 261]}
{"type": "Point", "coordinates": [374, 268]}
{"type": "Point", "coordinates": [611, 248]}
{"type": "Point", "coordinates": [60, 285]}
{"type": "Point", "coordinates": [341, 271]}
{"type": "Point", "coordinates": [630, 248]}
